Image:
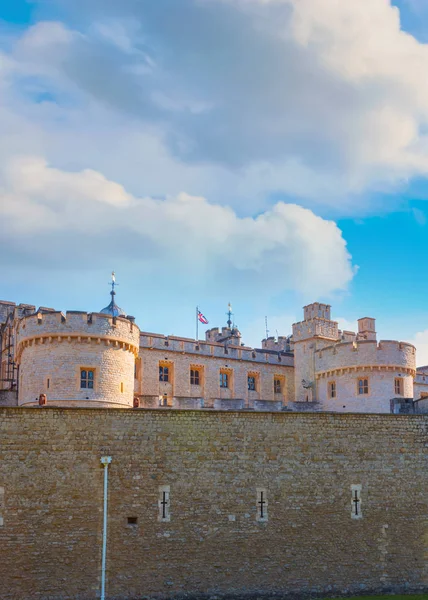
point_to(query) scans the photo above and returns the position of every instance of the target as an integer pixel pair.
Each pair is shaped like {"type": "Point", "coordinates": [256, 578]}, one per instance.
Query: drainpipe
{"type": "Point", "coordinates": [105, 461]}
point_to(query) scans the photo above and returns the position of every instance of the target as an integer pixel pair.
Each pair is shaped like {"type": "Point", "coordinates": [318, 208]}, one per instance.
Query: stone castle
{"type": "Point", "coordinates": [80, 359]}
{"type": "Point", "coordinates": [289, 489]}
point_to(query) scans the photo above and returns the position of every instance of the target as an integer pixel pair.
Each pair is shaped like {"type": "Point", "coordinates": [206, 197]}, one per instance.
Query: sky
{"type": "Point", "coordinates": [267, 153]}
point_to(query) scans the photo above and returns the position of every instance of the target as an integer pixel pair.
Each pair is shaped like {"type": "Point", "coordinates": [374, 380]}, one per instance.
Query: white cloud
{"type": "Point", "coordinates": [50, 213]}
{"type": "Point", "coordinates": [346, 325]}
{"type": "Point", "coordinates": [322, 100]}
{"type": "Point", "coordinates": [420, 340]}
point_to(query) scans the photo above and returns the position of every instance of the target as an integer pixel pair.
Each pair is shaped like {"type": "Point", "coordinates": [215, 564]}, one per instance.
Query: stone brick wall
{"type": "Point", "coordinates": [239, 365]}
{"type": "Point", "coordinates": [420, 388]}
{"type": "Point", "coordinates": [52, 348]}
{"type": "Point", "coordinates": [366, 353]}
{"type": "Point", "coordinates": [381, 389]}
{"type": "Point", "coordinates": [380, 363]}
{"type": "Point", "coordinates": [214, 466]}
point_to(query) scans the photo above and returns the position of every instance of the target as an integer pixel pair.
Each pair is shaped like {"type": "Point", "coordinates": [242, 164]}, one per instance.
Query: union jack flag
{"type": "Point", "coordinates": [202, 319]}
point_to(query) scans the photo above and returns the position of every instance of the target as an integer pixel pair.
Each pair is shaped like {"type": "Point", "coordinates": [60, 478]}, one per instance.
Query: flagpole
{"type": "Point", "coordinates": [197, 321]}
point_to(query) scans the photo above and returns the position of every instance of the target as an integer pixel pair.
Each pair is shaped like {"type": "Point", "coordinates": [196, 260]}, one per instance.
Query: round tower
{"type": "Point", "coordinates": [77, 358]}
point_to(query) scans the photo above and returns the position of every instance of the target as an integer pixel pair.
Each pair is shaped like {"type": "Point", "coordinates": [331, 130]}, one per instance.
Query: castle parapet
{"type": "Point", "coordinates": [175, 344]}
{"type": "Point", "coordinates": [83, 326]}
{"type": "Point", "coordinates": [76, 358]}
{"type": "Point", "coordinates": [387, 354]}
{"type": "Point", "coordinates": [316, 327]}
{"type": "Point", "coordinates": [280, 344]}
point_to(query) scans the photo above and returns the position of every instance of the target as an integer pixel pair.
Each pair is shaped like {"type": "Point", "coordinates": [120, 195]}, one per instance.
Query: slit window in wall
{"type": "Point", "coordinates": [398, 386]}
{"type": "Point", "coordinates": [48, 383]}
{"type": "Point", "coordinates": [363, 387]}
{"type": "Point", "coordinates": [332, 389]}
{"type": "Point", "coordinates": [164, 504]}
{"type": "Point", "coordinates": [262, 505]}
{"type": "Point", "coordinates": [195, 377]}
{"type": "Point", "coordinates": [87, 377]}
{"type": "Point", "coordinates": [356, 512]}
{"type": "Point", "coordinates": [121, 387]}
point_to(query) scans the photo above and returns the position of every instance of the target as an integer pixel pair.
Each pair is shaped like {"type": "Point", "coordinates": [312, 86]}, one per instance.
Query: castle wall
{"type": "Point", "coordinates": [181, 356]}
{"type": "Point", "coordinates": [214, 543]}
{"type": "Point", "coordinates": [420, 388]}
{"type": "Point", "coordinates": [346, 363]}
{"type": "Point", "coordinates": [367, 353]}
{"type": "Point", "coordinates": [53, 348]}
{"type": "Point", "coordinates": [381, 391]}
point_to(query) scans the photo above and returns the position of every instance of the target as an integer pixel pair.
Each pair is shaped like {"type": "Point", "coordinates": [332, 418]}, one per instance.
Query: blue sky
{"type": "Point", "coordinates": [264, 153]}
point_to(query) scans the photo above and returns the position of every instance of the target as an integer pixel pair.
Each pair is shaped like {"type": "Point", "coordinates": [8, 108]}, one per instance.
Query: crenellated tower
{"type": "Point", "coordinates": [316, 331]}
{"type": "Point", "coordinates": [77, 358]}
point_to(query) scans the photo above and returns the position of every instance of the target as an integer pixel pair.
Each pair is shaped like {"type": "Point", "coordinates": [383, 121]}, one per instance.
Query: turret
{"type": "Point", "coordinates": [230, 335]}
{"type": "Point", "coordinates": [367, 329]}
{"type": "Point", "coordinates": [314, 332]}
{"type": "Point", "coordinates": [77, 358]}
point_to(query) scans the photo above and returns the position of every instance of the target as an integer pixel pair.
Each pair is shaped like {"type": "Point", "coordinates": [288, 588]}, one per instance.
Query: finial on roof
{"type": "Point", "coordinates": [113, 309]}
{"type": "Point", "coordinates": [229, 314]}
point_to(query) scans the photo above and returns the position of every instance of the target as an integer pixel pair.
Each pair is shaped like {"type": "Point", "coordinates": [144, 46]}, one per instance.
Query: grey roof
{"type": "Point", "coordinates": [113, 309]}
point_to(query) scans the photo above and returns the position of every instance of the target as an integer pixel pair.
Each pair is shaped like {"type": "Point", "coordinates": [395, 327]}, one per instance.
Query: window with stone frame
{"type": "Point", "coordinates": [195, 377]}
{"type": "Point", "coordinates": [163, 373]}
{"type": "Point", "coordinates": [277, 386]}
{"type": "Point", "coordinates": [224, 379]}
{"type": "Point", "coordinates": [332, 389]}
{"type": "Point", "coordinates": [252, 383]}
{"type": "Point", "coordinates": [398, 386]}
{"type": "Point", "coordinates": [363, 387]}
{"type": "Point", "coordinates": [87, 378]}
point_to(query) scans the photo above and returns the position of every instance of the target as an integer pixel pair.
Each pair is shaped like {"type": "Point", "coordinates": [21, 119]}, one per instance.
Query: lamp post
{"type": "Point", "coordinates": [105, 461]}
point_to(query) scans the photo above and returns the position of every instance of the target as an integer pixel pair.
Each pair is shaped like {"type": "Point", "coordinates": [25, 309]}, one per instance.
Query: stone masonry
{"type": "Point", "coordinates": [214, 466]}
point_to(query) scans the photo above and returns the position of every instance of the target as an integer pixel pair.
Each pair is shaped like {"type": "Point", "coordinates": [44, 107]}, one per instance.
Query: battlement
{"type": "Point", "coordinates": [315, 327]}
{"type": "Point", "coordinates": [317, 310]}
{"type": "Point", "coordinates": [281, 344]}
{"type": "Point", "coordinates": [77, 324]}
{"type": "Point", "coordinates": [386, 353]}
{"type": "Point", "coordinates": [226, 334]}
{"type": "Point", "coordinates": [175, 344]}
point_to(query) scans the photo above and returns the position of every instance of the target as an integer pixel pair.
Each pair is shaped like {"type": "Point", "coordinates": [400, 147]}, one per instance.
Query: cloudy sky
{"type": "Point", "coordinates": [264, 152]}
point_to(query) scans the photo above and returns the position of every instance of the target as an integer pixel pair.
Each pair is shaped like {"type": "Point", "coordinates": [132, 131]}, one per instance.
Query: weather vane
{"type": "Point", "coordinates": [229, 314]}
{"type": "Point", "coordinates": [113, 281]}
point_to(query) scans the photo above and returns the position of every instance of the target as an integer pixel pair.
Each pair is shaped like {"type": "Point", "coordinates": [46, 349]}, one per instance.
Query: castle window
{"type": "Point", "coordinates": [194, 377]}
{"type": "Point", "coordinates": [224, 379]}
{"type": "Point", "coordinates": [262, 504]}
{"type": "Point", "coordinates": [363, 387]}
{"type": "Point", "coordinates": [332, 389]}
{"type": "Point", "coordinates": [87, 379]}
{"type": "Point", "coordinates": [398, 386]}
{"type": "Point", "coordinates": [121, 387]}
{"type": "Point", "coordinates": [163, 373]}
{"type": "Point", "coordinates": [277, 386]}
{"type": "Point", "coordinates": [356, 502]}
{"type": "Point", "coordinates": [164, 503]}
{"type": "Point", "coordinates": [251, 383]}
